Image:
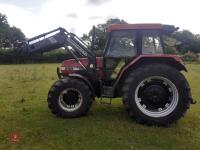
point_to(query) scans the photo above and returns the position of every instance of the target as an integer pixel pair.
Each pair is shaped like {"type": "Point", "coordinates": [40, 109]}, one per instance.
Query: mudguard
{"type": "Point", "coordinates": [94, 86]}
{"type": "Point", "coordinates": [172, 60]}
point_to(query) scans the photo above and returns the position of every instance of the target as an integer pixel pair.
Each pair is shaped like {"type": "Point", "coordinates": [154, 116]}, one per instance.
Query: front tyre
{"type": "Point", "coordinates": [156, 94]}
{"type": "Point", "coordinates": [69, 97]}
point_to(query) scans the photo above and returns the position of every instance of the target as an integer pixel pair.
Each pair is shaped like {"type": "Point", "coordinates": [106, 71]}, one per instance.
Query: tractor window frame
{"type": "Point", "coordinates": [155, 34]}
{"type": "Point", "coordinates": [109, 41]}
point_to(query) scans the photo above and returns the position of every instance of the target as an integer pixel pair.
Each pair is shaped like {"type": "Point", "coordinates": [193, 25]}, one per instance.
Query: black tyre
{"type": "Point", "coordinates": [156, 94]}
{"type": "Point", "coordinates": [69, 97]}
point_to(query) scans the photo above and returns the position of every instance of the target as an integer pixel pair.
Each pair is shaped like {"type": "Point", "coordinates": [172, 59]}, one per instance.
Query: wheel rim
{"type": "Point", "coordinates": [70, 99]}
{"type": "Point", "coordinates": [156, 96]}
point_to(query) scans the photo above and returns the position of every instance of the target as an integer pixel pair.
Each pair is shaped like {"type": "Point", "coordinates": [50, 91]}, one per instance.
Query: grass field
{"type": "Point", "coordinates": [23, 109]}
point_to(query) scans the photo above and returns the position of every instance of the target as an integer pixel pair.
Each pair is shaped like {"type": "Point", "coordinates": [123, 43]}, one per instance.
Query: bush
{"type": "Point", "coordinates": [9, 56]}
{"type": "Point", "coordinates": [189, 56]}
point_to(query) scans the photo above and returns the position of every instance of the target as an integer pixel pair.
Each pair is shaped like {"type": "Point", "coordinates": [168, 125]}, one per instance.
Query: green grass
{"type": "Point", "coordinates": [23, 109]}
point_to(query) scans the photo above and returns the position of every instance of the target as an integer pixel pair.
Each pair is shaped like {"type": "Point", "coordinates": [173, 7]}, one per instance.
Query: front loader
{"type": "Point", "coordinates": [134, 66]}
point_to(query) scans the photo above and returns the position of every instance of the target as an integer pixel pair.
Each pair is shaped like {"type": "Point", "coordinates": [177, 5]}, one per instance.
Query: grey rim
{"type": "Point", "coordinates": [171, 100]}
{"type": "Point", "coordinates": [66, 102]}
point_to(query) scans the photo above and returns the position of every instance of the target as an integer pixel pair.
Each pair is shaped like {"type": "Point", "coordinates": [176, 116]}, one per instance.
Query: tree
{"type": "Point", "coordinates": [3, 20]}
{"type": "Point", "coordinates": [9, 35]}
{"type": "Point", "coordinates": [100, 34]}
{"type": "Point", "coordinates": [190, 41]}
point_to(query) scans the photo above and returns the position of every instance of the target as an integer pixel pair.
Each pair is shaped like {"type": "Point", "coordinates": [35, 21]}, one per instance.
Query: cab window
{"type": "Point", "coordinates": [122, 44]}
{"type": "Point", "coordinates": [151, 42]}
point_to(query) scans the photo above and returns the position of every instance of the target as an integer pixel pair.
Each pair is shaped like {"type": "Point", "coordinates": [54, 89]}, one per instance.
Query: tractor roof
{"type": "Point", "coordinates": [155, 26]}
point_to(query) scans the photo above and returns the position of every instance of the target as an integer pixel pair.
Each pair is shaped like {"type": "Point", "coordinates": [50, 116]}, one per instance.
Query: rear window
{"type": "Point", "coordinates": [151, 42]}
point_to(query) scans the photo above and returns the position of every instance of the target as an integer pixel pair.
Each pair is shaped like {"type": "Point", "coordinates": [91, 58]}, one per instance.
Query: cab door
{"type": "Point", "coordinates": [121, 48]}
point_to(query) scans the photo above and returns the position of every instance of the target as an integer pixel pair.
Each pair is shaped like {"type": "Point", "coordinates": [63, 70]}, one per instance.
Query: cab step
{"type": "Point", "coordinates": [107, 91]}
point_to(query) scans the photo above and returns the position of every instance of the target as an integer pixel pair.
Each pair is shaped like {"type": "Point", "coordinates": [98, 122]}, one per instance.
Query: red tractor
{"type": "Point", "coordinates": [134, 66]}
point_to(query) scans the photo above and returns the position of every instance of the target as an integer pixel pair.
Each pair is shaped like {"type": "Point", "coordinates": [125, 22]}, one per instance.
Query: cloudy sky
{"type": "Point", "coordinates": [38, 16]}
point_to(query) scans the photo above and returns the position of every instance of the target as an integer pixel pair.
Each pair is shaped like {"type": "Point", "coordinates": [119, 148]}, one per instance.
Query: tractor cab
{"type": "Point", "coordinates": [128, 41]}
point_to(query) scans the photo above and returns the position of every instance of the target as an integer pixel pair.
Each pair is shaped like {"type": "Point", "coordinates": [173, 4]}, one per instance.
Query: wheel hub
{"type": "Point", "coordinates": [156, 96]}
{"type": "Point", "coordinates": [70, 99]}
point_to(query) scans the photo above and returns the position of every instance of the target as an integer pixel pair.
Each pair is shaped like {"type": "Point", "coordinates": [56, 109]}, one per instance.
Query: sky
{"type": "Point", "coordinates": [34, 17]}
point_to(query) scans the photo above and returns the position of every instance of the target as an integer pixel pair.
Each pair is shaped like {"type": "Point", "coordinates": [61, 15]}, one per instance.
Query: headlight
{"type": "Point", "coordinates": [62, 68]}
{"type": "Point", "coordinates": [75, 68]}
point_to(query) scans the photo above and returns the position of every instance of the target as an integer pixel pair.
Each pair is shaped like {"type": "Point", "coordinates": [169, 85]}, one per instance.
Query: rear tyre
{"type": "Point", "coordinates": [69, 97]}
{"type": "Point", "coordinates": [156, 94]}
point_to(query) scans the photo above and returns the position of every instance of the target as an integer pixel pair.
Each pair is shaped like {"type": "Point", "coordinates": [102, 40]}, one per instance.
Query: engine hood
{"type": "Point", "coordinates": [72, 66]}
{"type": "Point", "coordinates": [84, 61]}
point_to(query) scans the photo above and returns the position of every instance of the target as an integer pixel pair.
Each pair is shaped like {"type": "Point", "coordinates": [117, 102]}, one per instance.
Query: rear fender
{"type": "Point", "coordinates": [171, 60]}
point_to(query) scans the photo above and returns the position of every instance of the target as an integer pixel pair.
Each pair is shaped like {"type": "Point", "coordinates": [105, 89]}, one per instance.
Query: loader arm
{"type": "Point", "coordinates": [56, 39]}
